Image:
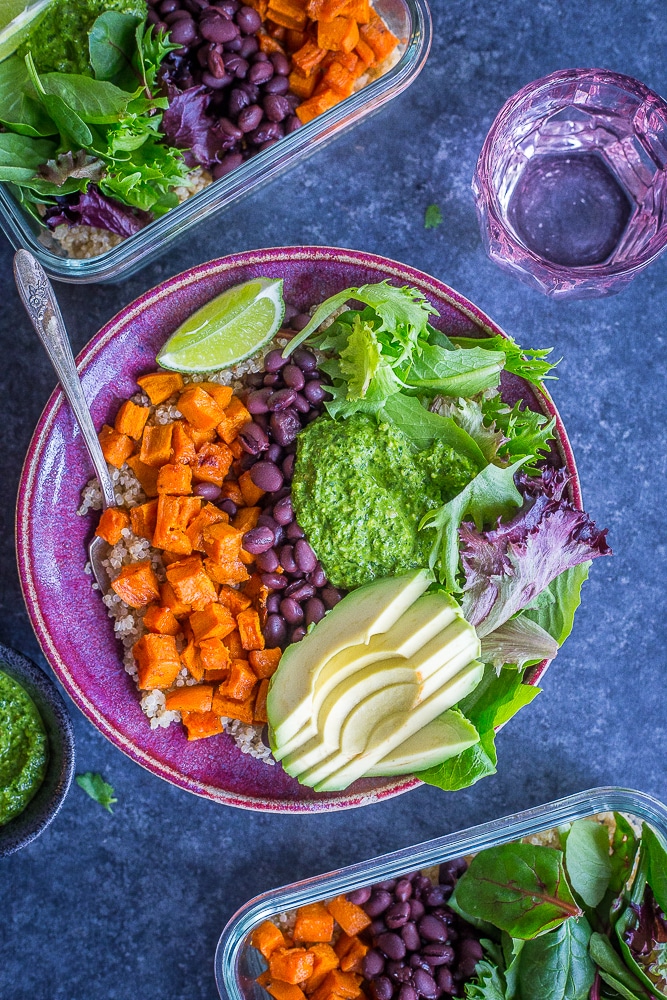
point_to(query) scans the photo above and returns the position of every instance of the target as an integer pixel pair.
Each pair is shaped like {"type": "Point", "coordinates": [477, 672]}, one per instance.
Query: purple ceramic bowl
{"type": "Point", "coordinates": [68, 616]}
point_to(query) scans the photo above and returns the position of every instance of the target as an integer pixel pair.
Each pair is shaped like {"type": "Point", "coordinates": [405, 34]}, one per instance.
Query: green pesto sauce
{"type": "Point", "coordinates": [59, 40]}
{"type": "Point", "coordinates": [360, 490]}
{"type": "Point", "coordinates": [23, 748]}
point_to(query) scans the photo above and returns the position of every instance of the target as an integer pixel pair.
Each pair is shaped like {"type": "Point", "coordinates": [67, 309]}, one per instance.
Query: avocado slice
{"type": "Point", "coordinates": [365, 612]}
{"type": "Point", "coordinates": [447, 736]}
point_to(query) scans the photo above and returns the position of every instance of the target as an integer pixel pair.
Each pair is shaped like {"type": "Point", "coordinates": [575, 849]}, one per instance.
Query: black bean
{"type": "Point", "coordinates": [291, 611]}
{"type": "Point", "coordinates": [305, 557]}
{"type": "Point", "coordinates": [167, 6]}
{"type": "Point", "coordinates": [403, 889]}
{"type": "Point", "coordinates": [283, 512]}
{"type": "Point", "coordinates": [152, 17]}
{"type": "Point", "coordinates": [275, 630]}
{"type": "Point", "coordinates": [452, 870]}
{"type": "Point", "coordinates": [388, 884]}
{"type": "Point", "coordinates": [398, 971]}
{"type": "Point", "coordinates": [274, 361]}
{"type": "Point", "coordinates": [318, 576]}
{"type": "Point", "coordinates": [238, 100]}
{"type": "Point", "coordinates": [417, 909]}
{"type": "Point", "coordinates": [304, 591]}
{"type": "Point", "coordinates": [417, 962]}
{"type": "Point", "coordinates": [274, 453]}
{"type": "Point", "coordinates": [315, 392]}
{"type": "Point", "coordinates": [434, 896]}
{"type": "Point", "coordinates": [258, 540]}
{"type": "Point", "coordinates": [209, 491]}
{"type": "Point", "coordinates": [257, 400]}
{"type": "Point", "coordinates": [293, 376]}
{"type": "Point", "coordinates": [410, 935]}
{"type": "Point", "coordinates": [315, 611]}
{"type": "Point", "coordinates": [273, 379]}
{"type": "Point", "coordinates": [360, 896]}
{"type": "Point", "coordinates": [274, 581]}
{"type": "Point", "coordinates": [281, 399]}
{"type": "Point", "coordinates": [438, 954]}
{"type": "Point", "coordinates": [280, 63]}
{"type": "Point", "coordinates": [248, 20]}
{"type": "Point", "coordinates": [266, 519]}
{"type": "Point", "coordinates": [216, 82]}
{"type": "Point", "coordinates": [234, 45]}
{"type": "Point", "coordinates": [229, 507]}
{"type": "Point", "coordinates": [407, 992]}
{"type": "Point", "coordinates": [301, 404]}
{"type": "Point", "coordinates": [397, 915]}
{"type": "Point", "coordinates": [470, 948]}
{"type": "Point", "coordinates": [183, 32]}
{"type": "Point", "coordinates": [253, 439]}
{"type": "Point", "coordinates": [227, 164]}
{"type": "Point", "coordinates": [432, 928]}
{"type": "Point", "coordinates": [293, 122]}
{"type": "Point", "coordinates": [306, 361]}
{"type": "Point", "coordinates": [260, 72]}
{"type": "Point", "coordinates": [248, 47]}
{"type": "Point", "coordinates": [287, 559]}
{"type": "Point", "coordinates": [278, 85]}
{"type": "Point", "coordinates": [373, 961]}
{"type": "Point", "coordinates": [249, 119]}
{"type": "Point", "coordinates": [391, 944]}
{"type": "Point", "coordinates": [267, 562]}
{"type": "Point", "coordinates": [266, 476]}
{"type": "Point", "coordinates": [273, 604]}
{"type": "Point", "coordinates": [421, 884]}
{"type": "Point", "coordinates": [228, 128]}
{"type": "Point", "coordinates": [285, 425]}
{"type": "Point", "coordinates": [288, 472]}
{"type": "Point", "coordinates": [236, 65]}
{"type": "Point", "coordinates": [217, 29]}
{"type": "Point", "coordinates": [330, 595]}
{"type": "Point", "coordinates": [299, 321]}
{"type": "Point", "coordinates": [381, 988]}
{"type": "Point", "coordinates": [176, 16]}
{"type": "Point", "coordinates": [425, 984]}
{"type": "Point", "coordinates": [379, 900]}
{"type": "Point", "coordinates": [444, 979]}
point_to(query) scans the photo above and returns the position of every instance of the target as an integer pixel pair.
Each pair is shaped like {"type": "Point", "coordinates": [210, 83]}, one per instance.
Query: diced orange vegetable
{"type": "Point", "coordinates": [236, 448]}
{"type": "Point", "coordinates": [288, 14]}
{"type": "Point", "coordinates": [231, 709]}
{"type": "Point", "coordinates": [339, 35]}
{"type": "Point", "coordinates": [246, 558]}
{"type": "Point", "coordinates": [233, 599]}
{"type": "Point", "coordinates": [235, 417]}
{"type": "Point", "coordinates": [199, 725]}
{"type": "Point", "coordinates": [216, 673]}
{"type": "Point", "coordinates": [182, 445]}
{"type": "Point", "coordinates": [222, 394]}
{"type": "Point", "coordinates": [190, 698]}
{"type": "Point", "coordinates": [338, 984]}
{"type": "Point", "coordinates": [313, 924]}
{"type": "Point", "coordinates": [284, 991]}
{"type": "Point", "coordinates": [326, 959]}
{"type": "Point", "coordinates": [174, 515]}
{"type": "Point", "coordinates": [146, 475]}
{"type": "Point", "coordinates": [265, 978]}
{"type": "Point", "coordinates": [379, 37]}
{"type": "Point", "coordinates": [212, 463]}
{"type": "Point", "coordinates": [327, 10]}
{"type": "Point", "coordinates": [162, 620]}
{"type": "Point", "coordinates": [190, 582]}
{"type": "Point", "coordinates": [291, 965]}
{"type": "Point", "coordinates": [246, 518]}
{"type": "Point", "coordinates": [351, 917]}
{"type": "Point", "coordinates": [112, 523]}
{"type": "Point", "coordinates": [158, 662]}
{"type": "Point", "coordinates": [226, 573]}
{"type": "Point", "coordinates": [175, 479]}
{"type": "Point", "coordinates": [131, 419]}
{"type": "Point", "coordinates": [222, 542]}
{"type": "Point", "coordinates": [350, 951]}
{"type": "Point", "coordinates": [116, 447]}
{"type": "Point", "coordinates": [143, 518]}
{"type": "Point", "coordinates": [249, 492]}
{"type": "Point", "coordinates": [266, 938]}
{"type": "Point", "coordinates": [308, 58]}
{"type": "Point", "coordinates": [169, 600]}
{"type": "Point", "coordinates": [160, 385]}
{"type": "Point", "coordinates": [214, 621]}
{"type": "Point", "coordinates": [295, 40]}
{"type": "Point", "coordinates": [255, 589]}
{"type": "Point", "coordinates": [200, 437]}
{"type": "Point", "coordinates": [199, 408]}
{"type": "Point", "coordinates": [137, 584]}
{"type": "Point", "coordinates": [191, 660]}
{"type": "Point", "coordinates": [303, 86]}
{"type": "Point", "coordinates": [209, 514]}
{"type": "Point", "coordinates": [250, 629]}
{"type": "Point", "coordinates": [337, 78]}
{"type": "Point", "coordinates": [241, 683]}
{"type": "Point", "coordinates": [265, 661]}
{"type": "Point", "coordinates": [365, 53]}
{"type": "Point", "coordinates": [259, 711]}
{"type": "Point", "coordinates": [233, 644]}
{"type": "Point", "coordinates": [360, 10]}
{"type": "Point", "coordinates": [215, 656]}
{"type": "Point", "coordinates": [317, 105]}
{"type": "Point", "coordinates": [268, 44]}
{"type": "Point", "coordinates": [156, 444]}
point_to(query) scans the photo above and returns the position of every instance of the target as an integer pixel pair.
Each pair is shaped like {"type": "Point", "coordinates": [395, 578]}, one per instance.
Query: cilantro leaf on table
{"type": "Point", "coordinates": [432, 217]}
{"type": "Point", "coordinates": [97, 788]}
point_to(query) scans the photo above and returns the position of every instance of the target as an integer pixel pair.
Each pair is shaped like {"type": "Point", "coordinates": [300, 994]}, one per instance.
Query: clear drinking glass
{"type": "Point", "coordinates": [571, 183]}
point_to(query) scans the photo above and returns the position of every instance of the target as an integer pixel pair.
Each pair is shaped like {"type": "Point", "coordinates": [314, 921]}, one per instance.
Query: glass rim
{"type": "Point", "coordinates": [486, 197]}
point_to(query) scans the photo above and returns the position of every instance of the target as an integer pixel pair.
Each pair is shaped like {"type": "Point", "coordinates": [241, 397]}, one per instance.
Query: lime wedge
{"type": "Point", "coordinates": [23, 18]}
{"type": "Point", "coordinates": [227, 329]}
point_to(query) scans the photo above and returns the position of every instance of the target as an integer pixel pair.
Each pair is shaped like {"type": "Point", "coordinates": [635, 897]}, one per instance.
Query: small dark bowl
{"type": "Point", "coordinates": [50, 795]}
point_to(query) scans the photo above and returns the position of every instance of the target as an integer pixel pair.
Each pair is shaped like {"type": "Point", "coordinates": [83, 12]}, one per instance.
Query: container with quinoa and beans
{"type": "Point", "coordinates": [562, 902]}
{"type": "Point", "coordinates": [347, 544]}
{"type": "Point", "coordinates": [115, 111]}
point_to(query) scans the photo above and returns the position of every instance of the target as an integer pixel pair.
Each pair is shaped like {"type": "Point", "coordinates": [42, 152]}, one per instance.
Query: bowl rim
{"type": "Point", "coordinates": [274, 255]}
{"type": "Point", "coordinates": [41, 688]}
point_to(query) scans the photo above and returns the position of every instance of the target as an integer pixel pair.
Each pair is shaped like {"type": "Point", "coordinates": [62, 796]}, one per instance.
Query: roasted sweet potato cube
{"type": "Point", "coordinates": [158, 662]}
{"type": "Point", "coordinates": [301, 85]}
{"type": "Point", "coordinates": [234, 418]}
{"type": "Point", "coordinates": [112, 524]}
{"type": "Point", "coordinates": [246, 518]}
{"type": "Point", "coordinates": [212, 463]}
{"type": "Point", "coordinates": [313, 924]}
{"type": "Point", "coordinates": [317, 105]}
{"type": "Point", "coordinates": [233, 644]}
{"type": "Point", "coordinates": [295, 40]}
{"type": "Point", "coordinates": [199, 408]}
{"type": "Point", "coordinates": [162, 620]}
{"type": "Point", "coordinates": [191, 660]}
{"type": "Point", "coordinates": [291, 965]}
{"type": "Point", "coordinates": [209, 514]}
{"type": "Point", "coordinates": [250, 493]}
{"type": "Point", "coordinates": [351, 952]}
{"type": "Point", "coordinates": [226, 573]}
{"type": "Point", "coordinates": [284, 991]}
{"type": "Point", "coordinates": [340, 34]}
{"type": "Point", "coordinates": [222, 542]}
{"type": "Point", "coordinates": [351, 917]}
{"type": "Point", "coordinates": [308, 58]}
{"type": "Point", "coordinates": [236, 448]}
{"type": "Point", "coordinates": [174, 515]}
{"type": "Point", "coordinates": [182, 445]}
{"type": "Point", "coordinates": [131, 419]}
{"type": "Point", "coordinates": [159, 386]}
{"type": "Point", "coordinates": [214, 621]}
{"type": "Point", "coordinates": [365, 54]}
{"type": "Point", "coordinates": [265, 978]}
{"type": "Point", "coordinates": [116, 447]}
{"type": "Point", "coordinates": [360, 10]}
{"type": "Point", "coordinates": [259, 711]}
{"type": "Point", "coordinates": [267, 43]}
{"type": "Point", "coordinates": [190, 698]}
{"type": "Point", "coordinates": [343, 985]}
{"type": "Point", "coordinates": [228, 708]}
{"type": "Point", "coordinates": [191, 584]}
{"type": "Point", "coordinates": [222, 394]}
{"type": "Point", "coordinates": [137, 584]}
{"type": "Point", "coordinates": [146, 475]}
{"type": "Point", "coordinates": [199, 725]}
{"type": "Point", "coordinates": [249, 629]}
{"type": "Point", "coordinates": [326, 959]}
{"type": "Point", "coordinates": [288, 14]}
{"type": "Point", "coordinates": [156, 444]}
{"type": "Point", "coordinates": [337, 77]}
{"type": "Point", "coordinates": [246, 558]}
{"type": "Point", "coordinates": [214, 655]}
{"type": "Point", "coordinates": [379, 37]}
{"type": "Point", "coordinates": [169, 600]}
{"type": "Point", "coordinates": [266, 938]}
{"type": "Point", "coordinates": [233, 599]}
{"type": "Point", "coordinates": [232, 491]}
{"type": "Point", "coordinates": [241, 683]}
{"type": "Point", "coordinates": [200, 437]}
{"type": "Point", "coordinates": [143, 518]}
{"type": "Point", "coordinates": [174, 479]}
{"type": "Point", "coordinates": [265, 661]}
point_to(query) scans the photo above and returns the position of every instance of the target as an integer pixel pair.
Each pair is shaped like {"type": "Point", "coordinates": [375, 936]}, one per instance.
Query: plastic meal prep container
{"type": "Point", "coordinates": [237, 964]}
{"type": "Point", "coordinates": [409, 20]}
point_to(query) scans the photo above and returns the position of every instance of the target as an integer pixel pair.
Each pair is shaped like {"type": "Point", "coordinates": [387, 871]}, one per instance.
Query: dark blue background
{"type": "Point", "coordinates": [131, 905]}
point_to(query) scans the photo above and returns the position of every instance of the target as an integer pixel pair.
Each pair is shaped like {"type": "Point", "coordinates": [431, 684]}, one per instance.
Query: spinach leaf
{"type": "Point", "coordinates": [20, 156]}
{"type": "Point", "coordinates": [423, 427]}
{"type": "Point", "coordinates": [20, 110]}
{"type": "Point", "coordinates": [557, 966]}
{"type": "Point", "coordinates": [98, 789]}
{"type": "Point", "coordinates": [524, 362]}
{"type": "Point", "coordinates": [468, 767]}
{"type": "Point", "coordinates": [454, 373]}
{"type": "Point", "coordinates": [587, 860]}
{"type": "Point", "coordinates": [656, 854]}
{"type": "Point", "coordinates": [96, 102]}
{"type": "Point", "coordinates": [112, 46]}
{"type": "Point", "coordinates": [519, 888]}
{"type": "Point", "coordinates": [612, 969]}
{"type": "Point", "coordinates": [555, 606]}
{"type": "Point", "coordinates": [489, 496]}
{"type": "Point", "coordinates": [67, 121]}
{"type": "Point", "coordinates": [624, 847]}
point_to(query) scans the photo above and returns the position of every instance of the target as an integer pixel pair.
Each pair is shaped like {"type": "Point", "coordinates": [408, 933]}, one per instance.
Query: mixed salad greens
{"type": "Point", "coordinates": [584, 920]}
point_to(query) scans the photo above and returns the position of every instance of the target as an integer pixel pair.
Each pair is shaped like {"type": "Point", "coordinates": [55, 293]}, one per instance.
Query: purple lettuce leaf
{"type": "Point", "coordinates": [92, 208]}
{"type": "Point", "coordinates": [185, 125]}
{"type": "Point", "coordinates": [507, 567]}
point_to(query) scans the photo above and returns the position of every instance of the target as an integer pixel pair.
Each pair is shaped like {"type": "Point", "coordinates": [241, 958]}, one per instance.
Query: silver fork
{"type": "Point", "coordinates": [40, 302]}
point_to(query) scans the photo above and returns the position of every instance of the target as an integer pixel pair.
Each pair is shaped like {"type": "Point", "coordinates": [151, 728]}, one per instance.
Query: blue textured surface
{"type": "Point", "coordinates": [131, 905]}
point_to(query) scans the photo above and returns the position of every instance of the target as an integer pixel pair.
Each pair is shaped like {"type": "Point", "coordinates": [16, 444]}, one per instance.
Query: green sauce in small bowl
{"type": "Point", "coordinates": [23, 748]}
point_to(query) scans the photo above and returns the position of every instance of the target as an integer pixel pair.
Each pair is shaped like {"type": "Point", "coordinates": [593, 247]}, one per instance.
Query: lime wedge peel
{"type": "Point", "coordinates": [231, 327]}
{"type": "Point", "coordinates": [16, 31]}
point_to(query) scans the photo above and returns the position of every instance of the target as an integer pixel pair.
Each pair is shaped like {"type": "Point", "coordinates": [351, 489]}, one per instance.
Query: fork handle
{"type": "Point", "coordinates": [40, 303]}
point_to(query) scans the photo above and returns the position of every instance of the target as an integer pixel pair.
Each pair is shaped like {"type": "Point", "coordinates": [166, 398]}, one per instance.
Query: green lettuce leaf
{"type": "Point", "coordinates": [459, 373]}
{"type": "Point", "coordinates": [518, 641]}
{"type": "Point", "coordinates": [553, 609]}
{"type": "Point", "coordinates": [524, 362]}
{"type": "Point", "coordinates": [424, 428]}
